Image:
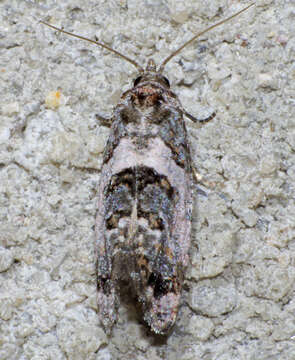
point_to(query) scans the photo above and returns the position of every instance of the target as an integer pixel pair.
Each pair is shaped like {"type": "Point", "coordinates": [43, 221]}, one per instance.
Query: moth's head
{"type": "Point", "coordinates": [151, 74]}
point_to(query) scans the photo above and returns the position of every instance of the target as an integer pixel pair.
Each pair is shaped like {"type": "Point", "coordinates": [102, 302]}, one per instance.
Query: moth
{"type": "Point", "coordinates": [143, 224]}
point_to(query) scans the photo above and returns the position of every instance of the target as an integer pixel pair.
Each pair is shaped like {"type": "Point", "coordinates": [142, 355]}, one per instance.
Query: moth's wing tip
{"type": "Point", "coordinates": [162, 314]}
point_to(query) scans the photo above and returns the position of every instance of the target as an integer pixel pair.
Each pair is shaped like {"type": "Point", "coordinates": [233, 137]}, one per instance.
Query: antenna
{"type": "Point", "coordinates": [161, 68]}
{"type": "Point", "coordinates": [140, 69]}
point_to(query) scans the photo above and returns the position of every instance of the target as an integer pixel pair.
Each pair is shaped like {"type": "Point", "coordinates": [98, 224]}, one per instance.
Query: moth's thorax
{"type": "Point", "coordinates": [149, 94]}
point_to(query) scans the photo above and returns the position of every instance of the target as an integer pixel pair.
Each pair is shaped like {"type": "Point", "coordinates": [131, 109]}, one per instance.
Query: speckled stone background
{"type": "Point", "coordinates": [238, 302]}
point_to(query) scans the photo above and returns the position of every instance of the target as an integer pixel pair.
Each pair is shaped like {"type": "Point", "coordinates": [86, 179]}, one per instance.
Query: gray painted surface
{"type": "Point", "coordinates": [239, 299]}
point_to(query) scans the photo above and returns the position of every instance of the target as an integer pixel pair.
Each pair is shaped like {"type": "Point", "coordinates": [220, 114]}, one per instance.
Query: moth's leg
{"type": "Point", "coordinates": [103, 121]}
{"type": "Point", "coordinates": [192, 118]}
{"type": "Point", "coordinates": [196, 175]}
{"type": "Point", "coordinates": [107, 297]}
{"type": "Point", "coordinates": [200, 180]}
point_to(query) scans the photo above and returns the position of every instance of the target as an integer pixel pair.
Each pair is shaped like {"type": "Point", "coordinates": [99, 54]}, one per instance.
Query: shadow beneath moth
{"type": "Point", "coordinates": [143, 223]}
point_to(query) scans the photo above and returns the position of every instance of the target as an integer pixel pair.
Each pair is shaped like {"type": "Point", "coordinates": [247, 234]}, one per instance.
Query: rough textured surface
{"type": "Point", "coordinates": [239, 299]}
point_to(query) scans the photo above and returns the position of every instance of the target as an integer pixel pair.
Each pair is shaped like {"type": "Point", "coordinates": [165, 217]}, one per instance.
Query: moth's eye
{"type": "Point", "coordinates": [137, 81]}
{"type": "Point", "coordinates": [166, 81]}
